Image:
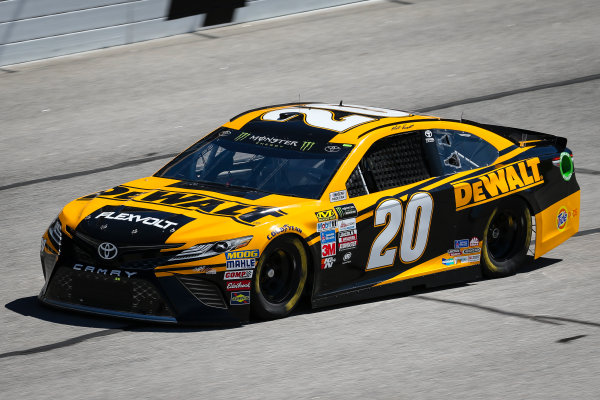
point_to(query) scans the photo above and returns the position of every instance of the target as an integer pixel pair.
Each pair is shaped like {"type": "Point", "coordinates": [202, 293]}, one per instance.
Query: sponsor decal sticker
{"type": "Point", "coordinates": [325, 215]}
{"type": "Point", "coordinates": [348, 245]}
{"type": "Point", "coordinates": [510, 179]}
{"type": "Point", "coordinates": [461, 259]}
{"type": "Point", "coordinates": [156, 222]}
{"type": "Point", "coordinates": [347, 258]}
{"type": "Point", "coordinates": [459, 244]}
{"type": "Point", "coordinates": [346, 211]}
{"type": "Point", "coordinates": [349, 238]}
{"type": "Point", "coordinates": [475, 258]}
{"type": "Point", "coordinates": [240, 212]}
{"type": "Point", "coordinates": [347, 233]}
{"type": "Point", "coordinates": [328, 249]}
{"type": "Point", "coordinates": [327, 237]}
{"type": "Point", "coordinates": [285, 228]}
{"type": "Point", "coordinates": [332, 149]}
{"type": "Point", "coordinates": [327, 263]}
{"type": "Point", "coordinates": [238, 285]}
{"type": "Point", "coordinates": [243, 263]}
{"type": "Point", "coordinates": [448, 261]}
{"type": "Point", "coordinates": [562, 218]}
{"type": "Point", "coordinates": [347, 224]}
{"type": "Point", "coordinates": [240, 298]}
{"type": "Point", "coordinates": [245, 274]}
{"type": "Point", "coordinates": [338, 196]}
{"type": "Point", "coordinates": [471, 250]}
{"type": "Point", "coordinates": [205, 269]}
{"type": "Point", "coordinates": [474, 242]}
{"type": "Point", "coordinates": [326, 226]}
{"type": "Point", "coordinates": [453, 252]}
{"type": "Point", "coordinates": [234, 255]}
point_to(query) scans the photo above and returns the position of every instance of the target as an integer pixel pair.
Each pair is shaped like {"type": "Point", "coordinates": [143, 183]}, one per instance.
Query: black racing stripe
{"type": "Point", "coordinates": [311, 237]}
{"type": "Point", "coordinates": [398, 123]}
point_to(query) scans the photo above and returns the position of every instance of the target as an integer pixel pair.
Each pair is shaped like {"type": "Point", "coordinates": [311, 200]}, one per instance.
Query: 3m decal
{"type": "Point", "coordinates": [325, 215]}
{"type": "Point", "coordinates": [238, 285]}
{"type": "Point", "coordinates": [240, 298]}
{"type": "Point", "coordinates": [326, 226]}
{"type": "Point", "coordinates": [338, 196]}
{"type": "Point", "coordinates": [243, 213]}
{"type": "Point", "coordinates": [328, 249]}
{"type": "Point", "coordinates": [415, 232]}
{"type": "Point", "coordinates": [498, 183]}
{"type": "Point", "coordinates": [346, 211]}
{"type": "Point", "coordinates": [327, 263]}
{"type": "Point", "coordinates": [245, 274]}
{"type": "Point", "coordinates": [285, 228]}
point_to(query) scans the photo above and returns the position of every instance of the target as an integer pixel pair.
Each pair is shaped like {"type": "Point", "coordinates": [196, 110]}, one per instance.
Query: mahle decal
{"type": "Point", "coordinates": [498, 183]}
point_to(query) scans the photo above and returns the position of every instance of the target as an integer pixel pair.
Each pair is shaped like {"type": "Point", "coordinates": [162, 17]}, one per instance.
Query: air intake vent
{"type": "Point", "coordinates": [207, 292]}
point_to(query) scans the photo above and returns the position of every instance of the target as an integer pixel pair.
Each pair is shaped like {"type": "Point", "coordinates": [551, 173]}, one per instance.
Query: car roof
{"type": "Point", "coordinates": [325, 119]}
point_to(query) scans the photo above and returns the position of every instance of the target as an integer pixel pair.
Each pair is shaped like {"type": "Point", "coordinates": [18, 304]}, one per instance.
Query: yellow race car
{"type": "Point", "coordinates": [332, 202]}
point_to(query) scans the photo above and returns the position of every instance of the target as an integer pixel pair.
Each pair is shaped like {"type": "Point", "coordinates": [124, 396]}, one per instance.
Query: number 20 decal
{"type": "Point", "coordinates": [415, 231]}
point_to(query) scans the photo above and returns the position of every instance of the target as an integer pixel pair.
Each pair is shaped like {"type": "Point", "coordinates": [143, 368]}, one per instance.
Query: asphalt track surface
{"type": "Point", "coordinates": [77, 124]}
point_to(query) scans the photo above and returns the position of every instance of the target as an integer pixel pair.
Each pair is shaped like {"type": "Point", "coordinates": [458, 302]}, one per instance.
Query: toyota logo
{"type": "Point", "coordinates": [107, 250]}
{"type": "Point", "coordinates": [332, 149]}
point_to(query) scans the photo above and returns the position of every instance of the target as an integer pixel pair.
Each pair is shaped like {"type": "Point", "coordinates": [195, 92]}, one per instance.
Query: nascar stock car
{"type": "Point", "coordinates": [335, 203]}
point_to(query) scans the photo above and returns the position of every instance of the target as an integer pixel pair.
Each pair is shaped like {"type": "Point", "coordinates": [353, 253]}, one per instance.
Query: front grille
{"type": "Point", "coordinates": [131, 295]}
{"type": "Point", "coordinates": [132, 256]}
{"type": "Point", "coordinates": [205, 291]}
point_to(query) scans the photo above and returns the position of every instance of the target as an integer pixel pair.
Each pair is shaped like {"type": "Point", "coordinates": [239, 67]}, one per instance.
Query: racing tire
{"type": "Point", "coordinates": [280, 278]}
{"type": "Point", "coordinates": [506, 239]}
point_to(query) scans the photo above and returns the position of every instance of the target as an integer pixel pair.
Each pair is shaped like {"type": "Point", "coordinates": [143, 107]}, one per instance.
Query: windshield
{"type": "Point", "coordinates": [265, 163]}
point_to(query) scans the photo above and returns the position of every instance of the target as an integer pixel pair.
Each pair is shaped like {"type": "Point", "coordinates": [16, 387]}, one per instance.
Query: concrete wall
{"type": "Point", "coordinates": [36, 29]}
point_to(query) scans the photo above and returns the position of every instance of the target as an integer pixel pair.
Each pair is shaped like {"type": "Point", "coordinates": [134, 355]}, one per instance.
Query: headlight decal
{"type": "Point", "coordinates": [205, 250]}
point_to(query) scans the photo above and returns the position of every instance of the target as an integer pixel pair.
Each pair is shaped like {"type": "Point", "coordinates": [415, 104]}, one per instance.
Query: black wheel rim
{"type": "Point", "coordinates": [504, 235]}
{"type": "Point", "coordinates": [277, 277]}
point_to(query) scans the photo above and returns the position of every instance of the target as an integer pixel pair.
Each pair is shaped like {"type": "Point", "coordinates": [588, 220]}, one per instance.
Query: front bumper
{"type": "Point", "coordinates": [138, 294]}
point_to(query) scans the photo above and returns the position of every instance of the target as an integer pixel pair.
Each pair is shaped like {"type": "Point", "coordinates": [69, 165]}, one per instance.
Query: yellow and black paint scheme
{"type": "Point", "coordinates": [152, 221]}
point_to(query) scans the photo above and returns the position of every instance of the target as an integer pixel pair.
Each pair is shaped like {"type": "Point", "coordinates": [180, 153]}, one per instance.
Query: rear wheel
{"type": "Point", "coordinates": [280, 278]}
{"type": "Point", "coordinates": [506, 239]}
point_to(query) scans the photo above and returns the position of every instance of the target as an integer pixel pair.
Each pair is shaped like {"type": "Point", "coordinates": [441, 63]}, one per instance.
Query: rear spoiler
{"type": "Point", "coordinates": [523, 137]}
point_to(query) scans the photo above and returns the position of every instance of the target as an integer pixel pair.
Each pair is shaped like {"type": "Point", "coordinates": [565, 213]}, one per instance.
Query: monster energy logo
{"type": "Point", "coordinates": [242, 136]}
{"type": "Point", "coordinates": [306, 146]}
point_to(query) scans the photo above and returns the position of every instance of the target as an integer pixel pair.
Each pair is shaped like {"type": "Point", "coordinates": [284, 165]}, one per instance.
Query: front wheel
{"type": "Point", "coordinates": [506, 239]}
{"type": "Point", "coordinates": [280, 278]}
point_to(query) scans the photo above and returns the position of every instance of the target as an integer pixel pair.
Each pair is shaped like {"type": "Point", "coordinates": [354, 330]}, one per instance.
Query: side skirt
{"type": "Point", "coordinates": [466, 274]}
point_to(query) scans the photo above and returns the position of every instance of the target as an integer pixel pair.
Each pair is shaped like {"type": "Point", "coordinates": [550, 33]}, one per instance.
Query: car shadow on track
{"type": "Point", "coordinates": [531, 265]}
{"type": "Point", "coordinates": [31, 307]}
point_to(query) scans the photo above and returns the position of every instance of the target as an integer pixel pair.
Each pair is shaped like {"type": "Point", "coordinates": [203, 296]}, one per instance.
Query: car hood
{"type": "Point", "coordinates": [157, 210]}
